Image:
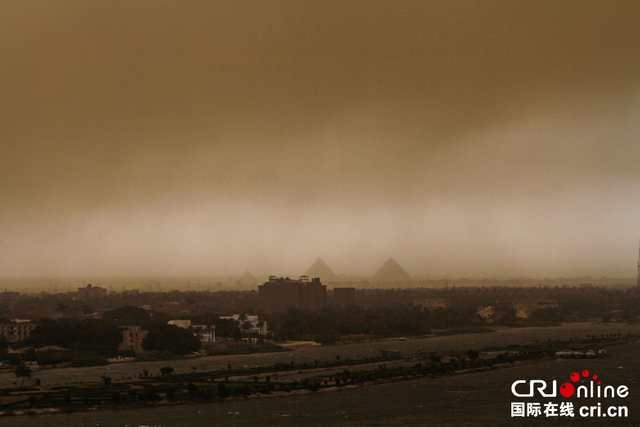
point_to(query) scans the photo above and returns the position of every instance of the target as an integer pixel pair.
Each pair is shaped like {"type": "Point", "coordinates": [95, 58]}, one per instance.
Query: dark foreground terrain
{"type": "Point", "coordinates": [460, 400]}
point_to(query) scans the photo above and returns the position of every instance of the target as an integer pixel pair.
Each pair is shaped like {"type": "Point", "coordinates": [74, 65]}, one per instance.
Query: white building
{"type": "Point", "coordinates": [486, 313]}
{"type": "Point", "coordinates": [184, 324]}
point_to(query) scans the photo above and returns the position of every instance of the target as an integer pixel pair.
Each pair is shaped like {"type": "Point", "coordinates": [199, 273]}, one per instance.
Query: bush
{"type": "Point", "coordinates": [203, 394]}
{"type": "Point", "coordinates": [149, 394]}
{"type": "Point", "coordinates": [167, 370]}
{"type": "Point", "coordinates": [193, 389]}
{"type": "Point", "coordinates": [222, 390]}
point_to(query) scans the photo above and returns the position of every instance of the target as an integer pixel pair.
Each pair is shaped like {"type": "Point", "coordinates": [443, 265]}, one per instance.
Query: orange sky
{"type": "Point", "coordinates": [463, 138]}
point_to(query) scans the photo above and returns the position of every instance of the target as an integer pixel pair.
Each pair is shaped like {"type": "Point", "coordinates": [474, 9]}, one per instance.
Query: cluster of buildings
{"type": "Point", "coordinates": [133, 336]}
{"type": "Point", "coordinates": [523, 308]}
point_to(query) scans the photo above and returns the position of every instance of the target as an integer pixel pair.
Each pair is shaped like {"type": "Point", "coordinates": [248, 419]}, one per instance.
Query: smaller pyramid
{"type": "Point", "coordinates": [321, 269]}
{"type": "Point", "coordinates": [391, 272]}
{"type": "Point", "coordinates": [247, 277]}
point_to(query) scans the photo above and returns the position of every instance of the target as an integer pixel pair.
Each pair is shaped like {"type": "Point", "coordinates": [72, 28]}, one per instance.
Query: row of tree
{"type": "Point", "coordinates": [330, 324]}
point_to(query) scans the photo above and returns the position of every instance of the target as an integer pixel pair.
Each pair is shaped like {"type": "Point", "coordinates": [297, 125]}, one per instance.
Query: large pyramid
{"type": "Point", "coordinates": [247, 277]}
{"type": "Point", "coordinates": [321, 270]}
{"type": "Point", "coordinates": [391, 272]}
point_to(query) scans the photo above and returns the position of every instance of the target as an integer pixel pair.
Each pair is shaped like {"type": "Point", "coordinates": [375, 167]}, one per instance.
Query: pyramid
{"type": "Point", "coordinates": [391, 272]}
{"type": "Point", "coordinates": [247, 277]}
{"type": "Point", "coordinates": [321, 270]}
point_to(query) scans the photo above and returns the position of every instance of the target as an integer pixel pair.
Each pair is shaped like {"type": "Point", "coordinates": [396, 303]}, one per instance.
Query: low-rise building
{"type": "Point", "coordinates": [180, 323]}
{"type": "Point", "coordinates": [524, 309]}
{"type": "Point", "coordinates": [487, 313]}
{"type": "Point", "coordinates": [132, 337]}
{"type": "Point", "coordinates": [15, 332]}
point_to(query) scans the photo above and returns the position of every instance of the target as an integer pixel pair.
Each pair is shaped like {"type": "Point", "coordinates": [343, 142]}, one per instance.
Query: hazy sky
{"type": "Point", "coordinates": [463, 138]}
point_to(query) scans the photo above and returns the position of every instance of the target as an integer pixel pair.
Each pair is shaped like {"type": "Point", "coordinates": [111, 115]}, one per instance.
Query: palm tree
{"type": "Point", "coordinates": [246, 326]}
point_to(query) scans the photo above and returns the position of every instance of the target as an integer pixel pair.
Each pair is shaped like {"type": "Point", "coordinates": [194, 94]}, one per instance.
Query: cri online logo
{"type": "Point", "coordinates": [568, 389]}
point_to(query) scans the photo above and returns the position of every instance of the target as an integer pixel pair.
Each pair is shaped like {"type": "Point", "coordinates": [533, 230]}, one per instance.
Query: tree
{"type": "Point", "coordinates": [193, 389]}
{"type": "Point", "coordinates": [228, 328]}
{"type": "Point", "coordinates": [171, 338]}
{"type": "Point", "coordinates": [128, 315]}
{"type": "Point", "coordinates": [167, 370]}
{"type": "Point", "coordinates": [246, 326]}
{"type": "Point", "coordinates": [473, 355]}
{"type": "Point", "coordinates": [23, 371]}
{"type": "Point", "coordinates": [223, 391]}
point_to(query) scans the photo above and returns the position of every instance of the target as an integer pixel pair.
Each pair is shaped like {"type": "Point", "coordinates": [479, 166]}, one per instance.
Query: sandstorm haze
{"type": "Point", "coordinates": [463, 138]}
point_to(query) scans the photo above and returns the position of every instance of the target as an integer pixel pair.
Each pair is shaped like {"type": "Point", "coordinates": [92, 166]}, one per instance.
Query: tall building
{"type": "Point", "coordinates": [280, 293]}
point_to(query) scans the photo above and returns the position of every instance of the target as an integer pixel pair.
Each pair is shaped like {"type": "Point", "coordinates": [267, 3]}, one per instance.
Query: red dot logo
{"type": "Point", "coordinates": [585, 373]}
{"type": "Point", "coordinates": [595, 377]}
{"type": "Point", "coordinates": [567, 389]}
{"type": "Point", "coordinates": [575, 377]}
